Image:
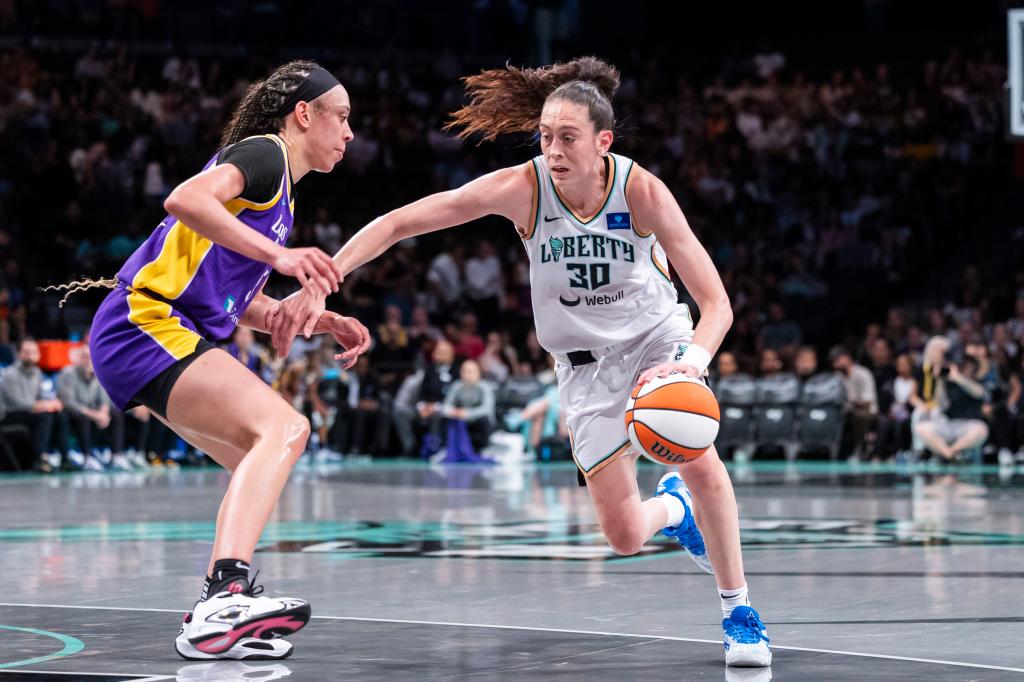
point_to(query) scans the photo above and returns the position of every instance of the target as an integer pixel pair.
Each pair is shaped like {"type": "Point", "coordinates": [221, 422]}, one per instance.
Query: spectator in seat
{"type": "Point", "coordinates": [995, 378]}
{"type": "Point", "coordinates": [485, 284]}
{"type": "Point", "coordinates": [779, 333]}
{"type": "Point", "coordinates": [542, 418]}
{"type": "Point", "coordinates": [895, 408]}
{"type": "Point", "coordinates": [929, 386]}
{"type": "Point", "coordinates": [22, 392]}
{"type": "Point", "coordinates": [467, 342]}
{"type": "Point", "coordinates": [805, 364]}
{"type": "Point", "coordinates": [472, 400]}
{"type": "Point", "coordinates": [392, 356]}
{"type": "Point", "coordinates": [725, 366]}
{"type": "Point", "coordinates": [769, 364]}
{"type": "Point", "coordinates": [365, 409]}
{"type": "Point", "coordinates": [519, 389]}
{"type": "Point", "coordinates": [444, 275]}
{"type": "Point", "coordinates": [422, 334]}
{"type": "Point", "coordinates": [420, 398]}
{"type": "Point", "coordinates": [861, 399]}
{"type": "Point", "coordinates": [959, 425]}
{"type": "Point", "coordinates": [89, 411]}
{"type": "Point", "coordinates": [492, 362]}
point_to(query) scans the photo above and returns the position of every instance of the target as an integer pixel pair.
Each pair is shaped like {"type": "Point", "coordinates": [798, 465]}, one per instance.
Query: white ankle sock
{"type": "Point", "coordinates": [733, 598]}
{"type": "Point", "coordinates": [674, 507]}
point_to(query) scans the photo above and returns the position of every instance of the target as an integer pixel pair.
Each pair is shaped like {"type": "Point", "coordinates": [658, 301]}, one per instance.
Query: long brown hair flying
{"type": "Point", "coordinates": [510, 100]}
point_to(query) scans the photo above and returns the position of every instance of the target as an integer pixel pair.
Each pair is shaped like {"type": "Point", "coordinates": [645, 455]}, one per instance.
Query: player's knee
{"type": "Point", "coordinates": [290, 429]}
{"type": "Point", "coordinates": [626, 540]}
{"type": "Point", "coordinates": [296, 433]}
{"type": "Point", "coordinates": [703, 475]}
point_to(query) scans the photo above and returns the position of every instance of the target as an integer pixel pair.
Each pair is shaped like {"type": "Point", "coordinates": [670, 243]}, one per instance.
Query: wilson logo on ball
{"type": "Point", "coordinates": [663, 452]}
{"type": "Point", "coordinates": [672, 420]}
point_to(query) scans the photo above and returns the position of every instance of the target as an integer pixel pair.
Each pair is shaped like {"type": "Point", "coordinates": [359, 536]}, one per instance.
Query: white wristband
{"type": "Point", "coordinates": [696, 356]}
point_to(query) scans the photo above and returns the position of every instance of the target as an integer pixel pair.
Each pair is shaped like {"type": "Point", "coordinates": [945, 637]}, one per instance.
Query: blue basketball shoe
{"type": "Point", "coordinates": [745, 639]}
{"type": "Point", "coordinates": [686, 533]}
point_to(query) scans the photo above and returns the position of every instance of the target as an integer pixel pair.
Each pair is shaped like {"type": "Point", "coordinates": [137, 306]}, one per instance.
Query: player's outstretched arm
{"type": "Point", "coordinates": [507, 192]}
{"type": "Point", "coordinates": [655, 209]}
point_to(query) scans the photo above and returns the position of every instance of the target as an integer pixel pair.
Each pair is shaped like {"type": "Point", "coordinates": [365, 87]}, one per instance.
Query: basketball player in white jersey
{"type": "Point", "coordinates": [597, 228]}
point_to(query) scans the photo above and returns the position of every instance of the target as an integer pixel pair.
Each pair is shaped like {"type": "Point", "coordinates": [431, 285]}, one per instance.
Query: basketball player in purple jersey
{"type": "Point", "coordinates": [597, 229]}
{"type": "Point", "coordinates": [198, 276]}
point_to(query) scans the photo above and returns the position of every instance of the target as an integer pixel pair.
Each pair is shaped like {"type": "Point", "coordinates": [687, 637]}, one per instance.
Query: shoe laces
{"type": "Point", "coordinates": [750, 630]}
{"type": "Point", "coordinates": [254, 589]}
{"type": "Point", "coordinates": [690, 534]}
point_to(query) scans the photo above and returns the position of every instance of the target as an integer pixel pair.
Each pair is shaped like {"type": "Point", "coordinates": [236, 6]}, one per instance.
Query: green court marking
{"type": "Point", "coordinates": [840, 467]}
{"type": "Point", "coordinates": [71, 646]}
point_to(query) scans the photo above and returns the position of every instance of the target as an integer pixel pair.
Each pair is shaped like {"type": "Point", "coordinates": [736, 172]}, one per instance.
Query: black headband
{"type": "Point", "coordinates": [319, 81]}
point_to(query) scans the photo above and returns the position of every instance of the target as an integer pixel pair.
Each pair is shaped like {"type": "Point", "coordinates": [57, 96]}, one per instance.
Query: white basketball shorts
{"type": "Point", "coordinates": [594, 395]}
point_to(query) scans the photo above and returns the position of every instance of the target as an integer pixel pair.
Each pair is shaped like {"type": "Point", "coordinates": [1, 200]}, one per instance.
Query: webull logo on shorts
{"type": "Point", "coordinates": [666, 453]}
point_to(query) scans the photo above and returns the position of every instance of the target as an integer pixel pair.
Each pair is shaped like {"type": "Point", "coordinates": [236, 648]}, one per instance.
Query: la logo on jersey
{"type": "Point", "coordinates": [618, 221]}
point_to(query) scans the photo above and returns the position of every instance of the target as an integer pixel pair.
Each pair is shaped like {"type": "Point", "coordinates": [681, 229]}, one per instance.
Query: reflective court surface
{"type": "Point", "coordinates": [440, 573]}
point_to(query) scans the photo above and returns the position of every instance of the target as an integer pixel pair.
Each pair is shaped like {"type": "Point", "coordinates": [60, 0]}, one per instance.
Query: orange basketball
{"type": "Point", "coordinates": [672, 420]}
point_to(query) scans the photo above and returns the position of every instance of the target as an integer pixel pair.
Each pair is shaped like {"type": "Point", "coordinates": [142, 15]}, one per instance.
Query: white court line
{"type": "Point", "coordinates": [133, 676]}
{"type": "Point", "coordinates": [564, 631]}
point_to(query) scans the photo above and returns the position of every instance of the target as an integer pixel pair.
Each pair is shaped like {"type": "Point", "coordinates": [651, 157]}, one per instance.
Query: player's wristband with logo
{"type": "Point", "coordinates": [696, 356]}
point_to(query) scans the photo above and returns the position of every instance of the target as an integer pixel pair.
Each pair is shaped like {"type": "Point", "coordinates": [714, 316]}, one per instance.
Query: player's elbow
{"type": "Point", "coordinates": [727, 316]}
{"type": "Point", "coordinates": [178, 202]}
{"type": "Point", "coordinates": [720, 308]}
{"type": "Point", "coordinates": [394, 229]}
{"type": "Point", "coordinates": [173, 202]}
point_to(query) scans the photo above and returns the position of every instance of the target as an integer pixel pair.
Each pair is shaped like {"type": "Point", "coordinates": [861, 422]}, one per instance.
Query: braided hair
{"type": "Point", "coordinates": [259, 111]}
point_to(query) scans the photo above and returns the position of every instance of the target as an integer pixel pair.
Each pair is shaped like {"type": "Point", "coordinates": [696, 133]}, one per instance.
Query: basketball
{"type": "Point", "coordinates": [672, 420]}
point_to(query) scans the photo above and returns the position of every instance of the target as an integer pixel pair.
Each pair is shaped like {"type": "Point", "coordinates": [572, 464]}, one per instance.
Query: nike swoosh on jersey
{"type": "Point", "coordinates": [549, 220]}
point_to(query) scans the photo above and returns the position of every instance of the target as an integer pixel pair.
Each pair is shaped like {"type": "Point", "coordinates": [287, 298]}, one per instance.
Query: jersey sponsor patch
{"type": "Point", "coordinates": [618, 221]}
{"type": "Point", "coordinates": [599, 299]}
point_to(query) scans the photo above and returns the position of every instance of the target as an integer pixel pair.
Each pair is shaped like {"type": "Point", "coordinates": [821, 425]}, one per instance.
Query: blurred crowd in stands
{"type": "Point", "coordinates": [864, 207]}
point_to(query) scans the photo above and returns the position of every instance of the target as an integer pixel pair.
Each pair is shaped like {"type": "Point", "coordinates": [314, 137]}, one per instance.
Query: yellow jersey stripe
{"type": "Point", "coordinates": [171, 272]}
{"type": "Point", "coordinates": [154, 318]}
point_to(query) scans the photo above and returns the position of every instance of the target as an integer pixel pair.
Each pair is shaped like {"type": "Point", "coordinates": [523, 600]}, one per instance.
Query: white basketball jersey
{"type": "Point", "coordinates": [598, 281]}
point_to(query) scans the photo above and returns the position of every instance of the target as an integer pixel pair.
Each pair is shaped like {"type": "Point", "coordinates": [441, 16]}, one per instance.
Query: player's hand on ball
{"type": "Point", "coordinates": [300, 312]}
{"type": "Point", "coordinates": [349, 332]}
{"type": "Point", "coordinates": [667, 368]}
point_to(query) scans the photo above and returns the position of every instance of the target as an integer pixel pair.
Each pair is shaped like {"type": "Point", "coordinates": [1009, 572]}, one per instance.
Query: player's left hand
{"type": "Point", "coordinates": [666, 368]}
{"type": "Point", "coordinates": [300, 312]}
{"type": "Point", "coordinates": [349, 332]}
